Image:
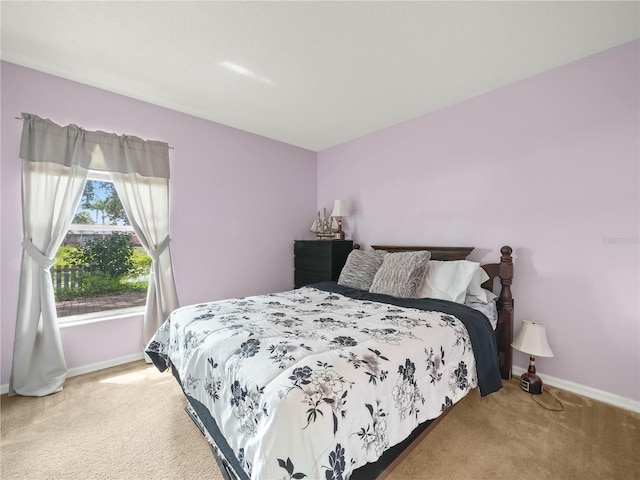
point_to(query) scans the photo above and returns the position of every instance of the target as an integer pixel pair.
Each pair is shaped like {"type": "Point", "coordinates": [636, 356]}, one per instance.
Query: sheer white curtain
{"type": "Point", "coordinates": [56, 161]}
{"type": "Point", "coordinates": [51, 192]}
{"type": "Point", "coordinates": [146, 202]}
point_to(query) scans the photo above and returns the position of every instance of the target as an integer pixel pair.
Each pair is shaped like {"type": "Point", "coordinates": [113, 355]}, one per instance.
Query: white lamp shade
{"type": "Point", "coordinates": [339, 209]}
{"type": "Point", "coordinates": [532, 339]}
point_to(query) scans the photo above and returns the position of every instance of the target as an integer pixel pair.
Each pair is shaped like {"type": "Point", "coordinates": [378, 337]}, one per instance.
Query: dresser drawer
{"type": "Point", "coordinates": [302, 278]}
{"type": "Point", "coordinates": [313, 248]}
{"type": "Point", "coordinates": [314, 264]}
{"type": "Point", "coordinates": [319, 260]}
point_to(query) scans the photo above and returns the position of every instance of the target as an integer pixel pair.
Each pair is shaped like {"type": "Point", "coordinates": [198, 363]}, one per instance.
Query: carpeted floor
{"type": "Point", "coordinates": [123, 423]}
{"type": "Point", "coordinates": [128, 423]}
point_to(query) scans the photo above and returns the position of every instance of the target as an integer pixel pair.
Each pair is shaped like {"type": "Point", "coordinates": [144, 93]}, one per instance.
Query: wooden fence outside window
{"type": "Point", "coordinates": [66, 278]}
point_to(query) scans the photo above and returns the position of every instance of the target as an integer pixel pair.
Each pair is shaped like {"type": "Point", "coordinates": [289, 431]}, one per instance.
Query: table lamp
{"type": "Point", "coordinates": [339, 211]}
{"type": "Point", "coordinates": [532, 339]}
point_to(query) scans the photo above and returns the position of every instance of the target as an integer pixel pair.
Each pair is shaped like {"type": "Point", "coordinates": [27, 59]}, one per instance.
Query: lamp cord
{"type": "Point", "coordinates": [547, 408]}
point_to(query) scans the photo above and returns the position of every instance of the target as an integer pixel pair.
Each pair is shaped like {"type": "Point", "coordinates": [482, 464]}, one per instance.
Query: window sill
{"type": "Point", "coordinates": [96, 317]}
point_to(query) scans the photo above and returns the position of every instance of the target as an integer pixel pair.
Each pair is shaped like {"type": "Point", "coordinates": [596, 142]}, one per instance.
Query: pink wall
{"type": "Point", "coordinates": [237, 203]}
{"type": "Point", "coordinates": [564, 146]}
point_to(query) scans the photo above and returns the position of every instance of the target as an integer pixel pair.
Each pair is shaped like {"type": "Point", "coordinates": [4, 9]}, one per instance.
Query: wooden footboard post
{"type": "Point", "coordinates": [505, 313]}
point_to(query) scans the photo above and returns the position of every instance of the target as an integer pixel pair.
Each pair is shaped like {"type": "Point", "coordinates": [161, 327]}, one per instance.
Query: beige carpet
{"type": "Point", "coordinates": [122, 423]}
{"type": "Point", "coordinates": [128, 423]}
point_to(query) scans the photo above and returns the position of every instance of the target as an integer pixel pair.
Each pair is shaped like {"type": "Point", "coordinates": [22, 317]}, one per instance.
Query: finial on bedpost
{"type": "Point", "coordinates": [506, 276]}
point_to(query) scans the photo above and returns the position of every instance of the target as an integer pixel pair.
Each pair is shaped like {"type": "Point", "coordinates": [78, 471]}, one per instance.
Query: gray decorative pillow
{"type": "Point", "coordinates": [401, 274]}
{"type": "Point", "coordinates": [360, 268]}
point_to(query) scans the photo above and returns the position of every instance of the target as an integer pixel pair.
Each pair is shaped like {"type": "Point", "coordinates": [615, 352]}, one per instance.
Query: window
{"type": "Point", "coordinates": [100, 265]}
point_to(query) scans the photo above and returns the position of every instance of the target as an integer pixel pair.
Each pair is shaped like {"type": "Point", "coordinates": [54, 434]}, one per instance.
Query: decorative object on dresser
{"type": "Point", "coordinates": [532, 339]}
{"type": "Point", "coordinates": [339, 212]}
{"type": "Point", "coordinates": [322, 226]}
{"type": "Point", "coordinates": [319, 260]}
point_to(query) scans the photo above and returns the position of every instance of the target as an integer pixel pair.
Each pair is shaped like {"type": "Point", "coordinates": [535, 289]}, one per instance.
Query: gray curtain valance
{"type": "Point", "coordinates": [46, 141]}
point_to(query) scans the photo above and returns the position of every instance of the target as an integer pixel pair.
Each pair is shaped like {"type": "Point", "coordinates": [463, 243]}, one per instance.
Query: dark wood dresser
{"type": "Point", "coordinates": [319, 260]}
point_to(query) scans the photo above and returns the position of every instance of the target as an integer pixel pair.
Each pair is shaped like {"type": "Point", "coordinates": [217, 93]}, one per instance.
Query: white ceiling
{"type": "Point", "coordinates": [316, 74]}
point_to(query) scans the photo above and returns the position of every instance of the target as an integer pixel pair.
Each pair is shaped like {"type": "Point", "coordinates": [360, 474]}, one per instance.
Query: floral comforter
{"type": "Point", "coordinates": [318, 381]}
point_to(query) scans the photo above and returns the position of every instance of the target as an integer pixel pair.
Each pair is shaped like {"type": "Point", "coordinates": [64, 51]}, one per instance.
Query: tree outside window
{"type": "Point", "coordinates": [100, 254]}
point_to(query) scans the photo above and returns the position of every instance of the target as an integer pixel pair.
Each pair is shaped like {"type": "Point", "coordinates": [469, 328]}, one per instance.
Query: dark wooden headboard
{"type": "Point", "coordinates": [502, 270]}
{"type": "Point", "coordinates": [437, 253]}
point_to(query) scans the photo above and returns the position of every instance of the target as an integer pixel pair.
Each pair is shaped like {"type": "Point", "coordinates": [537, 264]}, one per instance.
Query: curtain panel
{"type": "Point", "coordinates": [56, 161]}
{"type": "Point", "coordinates": [51, 193]}
{"type": "Point", "coordinates": [146, 202]}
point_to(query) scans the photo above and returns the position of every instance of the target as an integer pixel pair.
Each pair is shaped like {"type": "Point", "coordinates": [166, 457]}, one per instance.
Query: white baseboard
{"type": "Point", "coordinates": [94, 367]}
{"type": "Point", "coordinates": [600, 395]}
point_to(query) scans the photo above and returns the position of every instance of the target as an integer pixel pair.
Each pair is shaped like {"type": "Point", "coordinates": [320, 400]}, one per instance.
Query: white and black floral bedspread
{"type": "Point", "coordinates": [314, 384]}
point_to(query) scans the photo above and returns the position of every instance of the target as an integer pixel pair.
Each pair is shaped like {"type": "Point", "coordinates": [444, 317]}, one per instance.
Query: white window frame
{"type": "Point", "coordinates": [103, 315]}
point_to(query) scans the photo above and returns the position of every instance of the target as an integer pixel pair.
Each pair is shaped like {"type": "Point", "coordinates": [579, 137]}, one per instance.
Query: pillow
{"type": "Point", "coordinates": [475, 290]}
{"type": "Point", "coordinates": [401, 274]}
{"type": "Point", "coordinates": [360, 268]}
{"type": "Point", "coordinates": [448, 280]}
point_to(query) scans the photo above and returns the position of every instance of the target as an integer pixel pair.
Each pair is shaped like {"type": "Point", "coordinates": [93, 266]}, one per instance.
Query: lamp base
{"type": "Point", "coordinates": [530, 382]}
{"type": "Point", "coordinates": [339, 233]}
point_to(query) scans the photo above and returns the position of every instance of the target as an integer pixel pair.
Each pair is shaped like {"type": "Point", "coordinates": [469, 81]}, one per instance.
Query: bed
{"type": "Point", "coordinates": [335, 380]}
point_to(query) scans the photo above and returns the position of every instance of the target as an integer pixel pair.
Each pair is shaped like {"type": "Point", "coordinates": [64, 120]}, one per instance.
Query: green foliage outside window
{"type": "Point", "coordinates": [107, 208]}
{"type": "Point", "coordinates": [64, 255]}
{"type": "Point", "coordinates": [109, 264]}
{"type": "Point", "coordinates": [141, 264]}
{"type": "Point", "coordinates": [105, 264]}
{"type": "Point", "coordinates": [110, 255]}
{"type": "Point", "coordinates": [83, 218]}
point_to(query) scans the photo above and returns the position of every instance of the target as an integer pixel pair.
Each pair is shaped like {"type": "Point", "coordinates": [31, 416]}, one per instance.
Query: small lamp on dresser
{"type": "Point", "coordinates": [532, 339]}
{"type": "Point", "coordinates": [339, 212]}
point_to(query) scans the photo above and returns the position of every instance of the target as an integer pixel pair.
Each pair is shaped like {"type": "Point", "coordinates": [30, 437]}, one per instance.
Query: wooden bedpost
{"type": "Point", "coordinates": [505, 312]}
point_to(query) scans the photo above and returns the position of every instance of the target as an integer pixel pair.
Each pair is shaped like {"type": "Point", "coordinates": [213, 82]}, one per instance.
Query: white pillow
{"type": "Point", "coordinates": [448, 280]}
{"type": "Point", "coordinates": [475, 290]}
